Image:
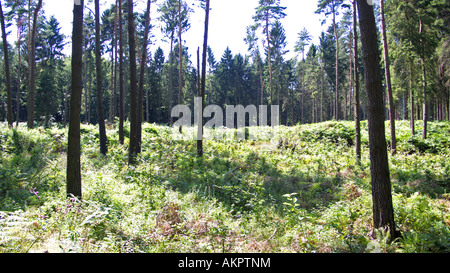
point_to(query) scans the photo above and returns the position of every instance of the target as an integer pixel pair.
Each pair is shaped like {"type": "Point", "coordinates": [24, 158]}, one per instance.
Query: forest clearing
{"type": "Point", "coordinates": [306, 195]}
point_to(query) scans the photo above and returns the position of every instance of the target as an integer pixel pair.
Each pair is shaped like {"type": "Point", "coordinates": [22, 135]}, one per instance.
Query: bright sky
{"type": "Point", "coordinates": [228, 22]}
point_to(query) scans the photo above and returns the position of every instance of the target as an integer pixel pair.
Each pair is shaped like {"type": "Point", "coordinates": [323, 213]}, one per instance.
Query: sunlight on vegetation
{"type": "Point", "coordinates": [306, 195]}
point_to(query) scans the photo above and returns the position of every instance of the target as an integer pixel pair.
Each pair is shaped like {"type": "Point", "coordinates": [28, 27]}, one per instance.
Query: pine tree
{"type": "Point", "coordinates": [383, 212]}
{"type": "Point", "coordinates": [98, 64]}
{"type": "Point", "coordinates": [331, 7]}
{"type": "Point", "coordinates": [121, 77]}
{"type": "Point", "coordinates": [303, 40]}
{"type": "Point", "coordinates": [7, 72]}
{"type": "Point", "coordinates": [142, 67]}
{"type": "Point", "coordinates": [387, 69]}
{"type": "Point", "coordinates": [203, 79]}
{"type": "Point", "coordinates": [74, 146]}
{"type": "Point", "coordinates": [134, 142]}
{"type": "Point", "coordinates": [266, 12]}
{"type": "Point", "coordinates": [356, 79]}
{"type": "Point", "coordinates": [32, 65]}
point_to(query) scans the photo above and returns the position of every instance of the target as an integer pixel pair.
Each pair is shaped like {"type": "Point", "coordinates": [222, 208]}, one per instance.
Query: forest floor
{"type": "Point", "coordinates": [306, 193]}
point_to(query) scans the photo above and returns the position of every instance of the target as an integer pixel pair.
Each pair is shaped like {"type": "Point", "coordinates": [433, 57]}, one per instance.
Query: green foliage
{"type": "Point", "coordinates": [304, 194]}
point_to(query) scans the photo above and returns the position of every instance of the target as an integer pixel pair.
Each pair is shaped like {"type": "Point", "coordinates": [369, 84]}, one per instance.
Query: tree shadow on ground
{"type": "Point", "coordinates": [250, 181]}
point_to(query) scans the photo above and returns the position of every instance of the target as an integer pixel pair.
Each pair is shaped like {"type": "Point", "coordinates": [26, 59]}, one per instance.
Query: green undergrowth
{"type": "Point", "coordinates": [303, 192]}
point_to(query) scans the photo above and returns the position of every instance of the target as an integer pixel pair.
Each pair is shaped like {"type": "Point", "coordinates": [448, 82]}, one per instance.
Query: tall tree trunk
{"type": "Point", "coordinates": [121, 80]}
{"type": "Point", "coordinates": [111, 98]}
{"type": "Point", "coordinates": [356, 77]}
{"type": "Point", "coordinates": [424, 85]}
{"type": "Point", "coordinates": [352, 58]}
{"type": "Point", "coordinates": [73, 146]}
{"type": "Point", "coordinates": [142, 67]}
{"type": "Point", "coordinates": [171, 79]}
{"type": "Point", "coordinates": [261, 78]}
{"type": "Point", "coordinates": [116, 32]}
{"type": "Point", "coordinates": [19, 81]}
{"type": "Point", "coordinates": [134, 142]}
{"type": "Point", "coordinates": [180, 52]}
{"type": "Point", "coordinates": [98, 64]}
{"type": "Point", "coordinates": [425, 102]}
{"type": "Point", "coordinates": [7, 72]}
{"type": "Point", "coordinates": [411, 96]}
{"type": "Point", "coordinates": [89, 106]}
{"type": "Point", "coordinates": [65, 113]}
{"type": "Point", "coordinates": [383, 212]}
{"type": "Point", "coordinates": [203, 87]}
{"type": "Point", "coordinates": [338, 99]}
{"type": "Point", "coordinates": [32, 67]}
{"type": "Point", "coordinates": [388, 81]}
{"type": "Point", "coordinates": [269, 58]}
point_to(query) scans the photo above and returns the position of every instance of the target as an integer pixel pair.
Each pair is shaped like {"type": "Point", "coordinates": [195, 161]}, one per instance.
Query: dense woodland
{"type": "Point", "coordinates": [375, 68]}
{"type": "Point", "coordinates": [304, 87]}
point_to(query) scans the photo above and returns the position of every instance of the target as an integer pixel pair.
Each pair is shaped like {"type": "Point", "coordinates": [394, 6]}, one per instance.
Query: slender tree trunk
{"type": "Point", "coordinates": [411, 96]}
{"type": "Point", "coordinates": [19, 81]}
{"type": "Point", "coordinates": [111, 98]}
{"type": "Point", "coordinates": [89, 106]}
{"type": "Point", "coordinates": [269, 58]}
{"type": "Point", "coordinates": [405, 103]}
{"type": "Point", "coordinates": [7, 72]}
{"type": "Point", "coordinates": [180, 52]}
{"type": "Point", "coordinates": [65, 113]}
{"type": "Point", "coordinates": [98, 64]}
{"type": "Point", "coordinates": [356, 77]}
{"type": "Point", "coordinates": [424, 85]}
{"type": "Point", "coordinates": [171, 79]}
{"type": "Point", "coordinates": [338, 102]}
{"type": "Point", "coordinates": [73, 146]}
{"type": "Point", "coordinates": [303, 93]}
{"type": "Point", "coordinates": [134, 142]}
{"type": "Point", "coordinates": [114, 95]}
{"type": "Point", "coordinates": [142, 67]}
{"type": "Point", "coordinates": [85, 78]}
{"type": "Point", "coordinates": [352, 58]}
{"type": "Point", "coordinates": [203, 85]}
{"type": "Point", "coordinates": [32, 68]}
{"type": "Point", "coordinates": [121, 80]}
{"type": "Point", "coordinates": [112, 101]}
{"type": "Point", "coordinates": [383, 212]}
{"type": "Point", "coordinates": [388, 81]}
{"type": "Point", "coordinates": [425, 102]}
{"type": "Point", "coordinates": [261, 78]}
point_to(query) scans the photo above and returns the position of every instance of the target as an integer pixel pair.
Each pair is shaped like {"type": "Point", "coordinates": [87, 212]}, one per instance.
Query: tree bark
{"type": "Point", "coordinates": [424, 85]}
{"type": "Point", "coordinates": [383, 212]}
{"type": "Point", "coordinates": [269, 58]}
{"type": "Point", "coordinates": [338, 99]}
{"type": "Point", "coordinates": [7, 72]}
{"type": "Point", "coordinates": [142, 67]}
{"type": "Point", "coordinates": [98, 64]}
{"type": "Point", "coordinates": [32, 68]}
{"type": "Point", "coordinates": [19, 81]}
{"type": "Point", "coordinates": [73, 146]}
{"type": "Point", "coordinates": [356, 77]}
{"type": "Point", "coordinates": [121, 80]}
{"type": "Point", "coordinates": [134, 142]}
{"type": "Point", "coordinates": [171, 79]}
{"type": "Point", "coordinates": [388, 81]}
{"type": "Point", "coordinates": [203, 85]}
{"type": "Point", "coordinates": [180, 55]}
{"type": "Point", "coordinates": [411, 96]}
{"type": "Point", "coordinates": [114, 95]}
{"type": "Point", "coordinates": [261, 79]}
